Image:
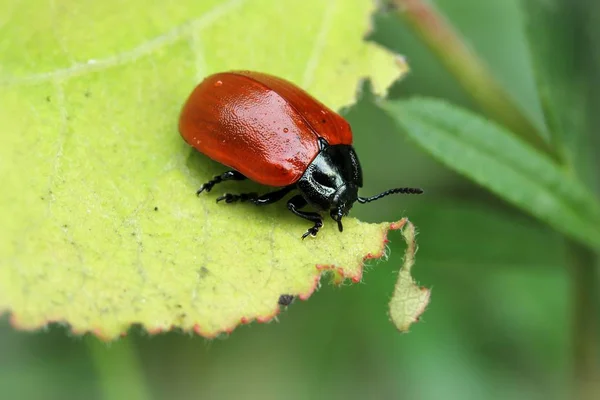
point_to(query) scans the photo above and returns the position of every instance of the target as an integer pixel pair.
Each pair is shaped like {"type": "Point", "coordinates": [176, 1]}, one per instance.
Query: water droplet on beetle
{"type": "Point", "coordinates": [286, 130]}
{"type": "Point", "coordinates": [218, 83]}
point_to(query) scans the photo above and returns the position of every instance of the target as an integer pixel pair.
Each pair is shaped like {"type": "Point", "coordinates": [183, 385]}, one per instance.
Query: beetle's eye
{"type": "Point", "coordinates": [323, 179]}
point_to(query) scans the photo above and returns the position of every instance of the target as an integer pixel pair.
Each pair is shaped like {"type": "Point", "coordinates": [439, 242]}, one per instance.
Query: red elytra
{"type": "Point", "coordinates": [272, 132]}
{"type": "Point", "coordinates": [260, 125]}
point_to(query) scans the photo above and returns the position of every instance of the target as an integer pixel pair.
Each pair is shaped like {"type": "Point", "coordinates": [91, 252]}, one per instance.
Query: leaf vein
{"type": "Point", "coordinates": [123, 58]}
{"type": "Point", "coordinates": [319, 46]}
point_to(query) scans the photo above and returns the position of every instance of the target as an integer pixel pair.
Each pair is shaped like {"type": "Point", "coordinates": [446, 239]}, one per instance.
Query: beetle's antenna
{"type": "Point", "coordinates": [364, 200]}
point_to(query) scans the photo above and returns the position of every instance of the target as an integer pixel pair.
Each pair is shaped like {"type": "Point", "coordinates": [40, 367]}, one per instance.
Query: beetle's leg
{"type": "Point", "coordinates": [225, 176]}
{"type": "Point", "coordinates": [262, 200]}
{"type": "Point", "coordinates": [297, 202]}
{"type": "Point", "coordinates": [272, 197]}
{"type": "Point", "coordinates": [232, 198]}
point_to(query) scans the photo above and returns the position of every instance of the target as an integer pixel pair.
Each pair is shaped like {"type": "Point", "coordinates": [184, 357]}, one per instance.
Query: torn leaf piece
{"type": "Point", "coordinates": [409, 299]}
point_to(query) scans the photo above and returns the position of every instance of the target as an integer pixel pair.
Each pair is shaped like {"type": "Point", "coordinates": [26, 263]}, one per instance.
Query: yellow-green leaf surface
{"type": "Point", "coordinates": [99, 223]}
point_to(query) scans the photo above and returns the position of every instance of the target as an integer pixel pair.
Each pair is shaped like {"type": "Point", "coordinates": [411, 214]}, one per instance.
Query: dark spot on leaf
{"type": "Point", "coordinates": [202, 272]}
{"type": "Point", "coordinates": [87, 93]}
{"type": "Point", "coordinates": [48, 99]}
{"type": "Point", "coordinates": [285, 299]}
{"type": "Point", "coordinates": [65, 226]}
{"type": "Point", "coordinates": [155, 208]}
{"type": "Point", "coordinates": [178, 306]}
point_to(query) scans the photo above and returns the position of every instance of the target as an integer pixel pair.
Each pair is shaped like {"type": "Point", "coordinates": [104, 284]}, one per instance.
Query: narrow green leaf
{"type": "Point", "coordinates": [497, 160]}
{"type": "Point", "coordinates": [470, 71]}
{"type": "Point", "coordinates": [552, 26]}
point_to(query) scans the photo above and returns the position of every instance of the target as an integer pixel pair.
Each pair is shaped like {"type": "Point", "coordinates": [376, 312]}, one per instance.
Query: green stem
{"type": "Point", "coordinates": [469, 70]}
{"type": "Point", "coordinates": [119, 370]}
{"type": "Point", "coordinates": [585, 289]}
{"type": "Point", "coordinates": [583, 17]}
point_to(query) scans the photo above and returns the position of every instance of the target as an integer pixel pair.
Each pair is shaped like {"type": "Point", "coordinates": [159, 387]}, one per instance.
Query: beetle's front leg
{"type": "Point", "coordinates": [298, 202]}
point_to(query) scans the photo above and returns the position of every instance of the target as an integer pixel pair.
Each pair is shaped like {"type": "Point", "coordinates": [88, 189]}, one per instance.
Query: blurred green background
{"type": "Point", "coordinates": [499, 323]}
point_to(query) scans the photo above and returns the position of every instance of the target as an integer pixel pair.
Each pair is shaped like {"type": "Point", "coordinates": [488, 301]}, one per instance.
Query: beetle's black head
{"type": "Point", "coordinates": [332, 179]}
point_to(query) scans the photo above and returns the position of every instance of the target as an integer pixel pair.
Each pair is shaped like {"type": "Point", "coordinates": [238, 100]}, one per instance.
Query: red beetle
{"type": "Point", "coordinates": [272, 132]}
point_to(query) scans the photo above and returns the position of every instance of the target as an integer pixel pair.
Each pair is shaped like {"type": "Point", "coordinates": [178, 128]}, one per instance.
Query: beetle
{"type": "Point", "coordinates": [272, 132]}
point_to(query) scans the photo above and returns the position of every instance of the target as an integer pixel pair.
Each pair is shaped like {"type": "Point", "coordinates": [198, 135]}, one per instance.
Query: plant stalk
{"type": "Point", "coordinates": [119, 370]}
{"type": "Point", "coordinates": [585, 267]}
{"type": "Point", "coordinates": [469, 70]}
{"type": "Point", "coordinates": [585, 289]}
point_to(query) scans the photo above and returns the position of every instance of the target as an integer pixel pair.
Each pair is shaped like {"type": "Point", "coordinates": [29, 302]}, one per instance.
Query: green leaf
{"type": "Point", "coordinates": [498, 161]}
{"type": "Point", "coordinates": [100, 223]}
{"type": "Point", "coordinates": [452, 50]}
{"type": "Point", "coordinates": [553, 27]}
{"type": "Point", "coordinates": [409, 300]}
